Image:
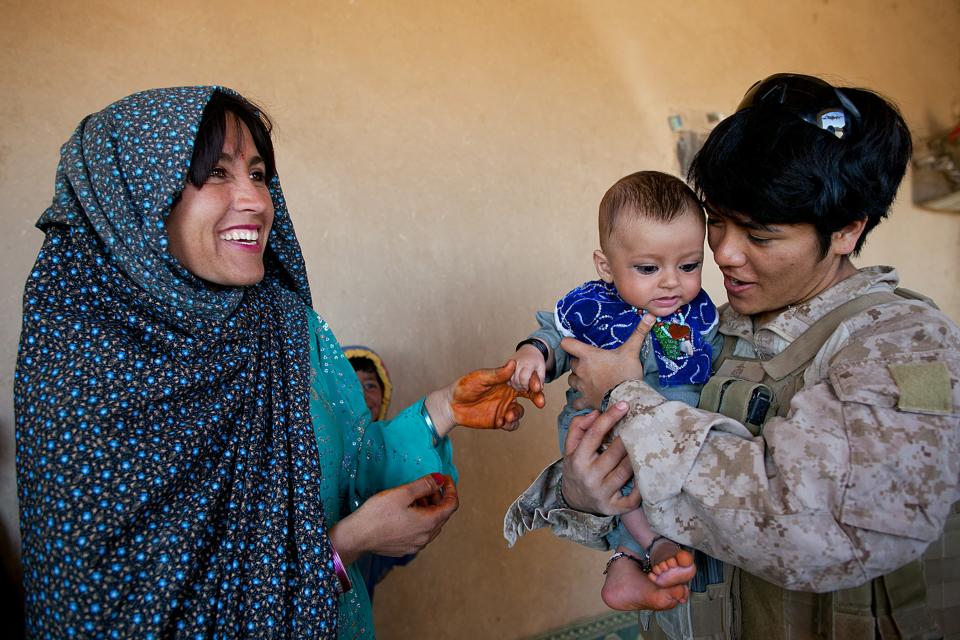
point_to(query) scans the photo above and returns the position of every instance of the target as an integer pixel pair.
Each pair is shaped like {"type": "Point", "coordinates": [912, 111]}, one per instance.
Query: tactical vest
{"type": "Point", "coordinates": [908, 603]}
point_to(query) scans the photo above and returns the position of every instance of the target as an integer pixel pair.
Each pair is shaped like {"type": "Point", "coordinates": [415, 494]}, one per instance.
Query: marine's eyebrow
{"type": "Point", "coordinates": [750, 224]}
{"type": "Point", "coordinates": [742, 221]}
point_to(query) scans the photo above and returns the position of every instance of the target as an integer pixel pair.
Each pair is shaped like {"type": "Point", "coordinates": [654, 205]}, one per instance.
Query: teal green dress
{"type": "Point", "coordinates": [359, 458]}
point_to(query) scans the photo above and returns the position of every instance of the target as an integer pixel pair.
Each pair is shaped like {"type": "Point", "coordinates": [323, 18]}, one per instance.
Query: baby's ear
{"type": "Point", "coordinates": [603, 266]}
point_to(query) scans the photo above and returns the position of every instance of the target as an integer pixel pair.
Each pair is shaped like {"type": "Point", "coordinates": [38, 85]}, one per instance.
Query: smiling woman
{"type": "Point", "coordinates": [219, 233]}
{"type": "Point", "coordinates": [218, 228]}
{"type": "Point", "coordinates": [195, 457]}
{"type": "Point", "coordinates": [767, 268]}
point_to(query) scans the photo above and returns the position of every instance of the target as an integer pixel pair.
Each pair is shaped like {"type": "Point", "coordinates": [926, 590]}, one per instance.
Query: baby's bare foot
{"type": "Point", "coordinates": [625, 588]}
{"type": "Point", "coordinates": [676, 568]}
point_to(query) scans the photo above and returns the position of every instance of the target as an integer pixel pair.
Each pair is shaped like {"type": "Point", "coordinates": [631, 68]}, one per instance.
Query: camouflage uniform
{"type": "Point", "coordinates": [856, 481]}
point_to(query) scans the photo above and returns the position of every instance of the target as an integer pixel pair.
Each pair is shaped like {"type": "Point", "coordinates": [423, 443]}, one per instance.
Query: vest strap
{"type": "Point", "coordinates": [847, 613]}
{"type": "Point", "coordinates": [901, 602]}
{"type": "Point", "coordinates": [805, 348]}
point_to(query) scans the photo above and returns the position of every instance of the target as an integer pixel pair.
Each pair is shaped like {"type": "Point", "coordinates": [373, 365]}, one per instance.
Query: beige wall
{"type": "Point", "coordinates": [443, 162]}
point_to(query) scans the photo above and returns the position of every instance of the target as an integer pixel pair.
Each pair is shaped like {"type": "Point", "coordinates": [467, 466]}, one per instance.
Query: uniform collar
{"type": "Point", "coordinates": [797, 319]}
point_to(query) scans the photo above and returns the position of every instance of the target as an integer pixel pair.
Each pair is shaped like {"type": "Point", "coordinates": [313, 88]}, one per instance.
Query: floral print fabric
{"type": "Point", "coordinates": [167, 468]}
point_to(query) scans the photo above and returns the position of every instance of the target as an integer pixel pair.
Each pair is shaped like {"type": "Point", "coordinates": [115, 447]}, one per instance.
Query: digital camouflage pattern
{"type": "Point", "coordinates": [848, 486]}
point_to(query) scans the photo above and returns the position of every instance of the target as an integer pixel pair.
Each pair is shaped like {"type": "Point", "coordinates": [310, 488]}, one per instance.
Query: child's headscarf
{"type": "Point", "coordinates": [167, 469]}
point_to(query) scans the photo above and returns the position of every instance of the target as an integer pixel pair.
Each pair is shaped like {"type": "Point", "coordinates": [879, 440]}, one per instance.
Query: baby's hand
{"type": "Point", "coordinates": [483, 399]}
{"type": "Point", "coordinates": [529, 361]}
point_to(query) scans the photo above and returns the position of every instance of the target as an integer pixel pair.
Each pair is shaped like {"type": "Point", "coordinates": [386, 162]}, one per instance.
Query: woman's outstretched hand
{"type": "Point", "coordinates": [484, 399]}
{"type": "Point", "coordinates": [397, 521]}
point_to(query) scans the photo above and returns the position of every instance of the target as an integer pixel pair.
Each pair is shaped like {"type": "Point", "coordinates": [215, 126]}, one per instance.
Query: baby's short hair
{"type": "Point", "coordinates": [646, 194]}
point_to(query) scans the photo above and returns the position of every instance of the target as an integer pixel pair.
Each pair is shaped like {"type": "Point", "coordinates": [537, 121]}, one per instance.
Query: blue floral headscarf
{"type": "Point", "coordinates": [167, 468]}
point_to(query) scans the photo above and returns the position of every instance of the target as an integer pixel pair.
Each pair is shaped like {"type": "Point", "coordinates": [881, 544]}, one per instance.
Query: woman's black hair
{"type": "Point", "coordinates": [212, 133]}
{"type": "Point", "coordinates": [769, 165]}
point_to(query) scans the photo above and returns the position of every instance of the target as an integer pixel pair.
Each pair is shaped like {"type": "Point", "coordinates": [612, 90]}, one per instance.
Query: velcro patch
{"type": "Point", "coordinates": [924, 387]}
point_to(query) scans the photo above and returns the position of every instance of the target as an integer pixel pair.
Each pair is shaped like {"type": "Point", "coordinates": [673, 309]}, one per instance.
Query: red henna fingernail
{"type": "Point", "coordinates": [439, 478]}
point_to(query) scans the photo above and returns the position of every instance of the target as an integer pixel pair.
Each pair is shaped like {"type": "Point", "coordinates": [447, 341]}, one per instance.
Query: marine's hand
{"type": "Point", "coordinates": [592, 479]}
{"type": "Point", "coordinates": [397, 521]}
{"type": "Point", "coordinates": [595, 371]}
{"type": "Point", "coordinates": [483, 399]}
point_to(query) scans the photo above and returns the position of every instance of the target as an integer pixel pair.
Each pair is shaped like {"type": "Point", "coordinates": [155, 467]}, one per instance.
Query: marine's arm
{"type": "Point", "coordinates": [581, 506]}
{"type": "Point", "coordinates": [847, 487]}
{"type": "Point", "coordinates": [538, 508]}
{"type": "Point", "coordinates": [593, 479]}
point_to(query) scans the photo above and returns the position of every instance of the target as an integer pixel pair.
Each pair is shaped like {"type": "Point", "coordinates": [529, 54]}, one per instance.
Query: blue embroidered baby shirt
{"type": "Point", "coordinates": [596, 314]}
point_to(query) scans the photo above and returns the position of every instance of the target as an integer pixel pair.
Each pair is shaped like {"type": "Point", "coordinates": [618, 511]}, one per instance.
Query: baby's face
{"type": "Point", "coordinates": [656, 266]}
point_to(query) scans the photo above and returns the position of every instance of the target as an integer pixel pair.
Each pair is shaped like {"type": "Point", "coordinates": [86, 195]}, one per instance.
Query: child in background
{"type": "Point", "coordinates": [374, 379]}
{"type": "Point", "coordinates": [377, 392]}
{"type": "Point", "coordinates": [652, 229]}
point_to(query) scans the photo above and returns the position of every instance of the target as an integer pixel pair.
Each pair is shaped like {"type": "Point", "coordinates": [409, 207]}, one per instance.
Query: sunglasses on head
{"type": "Point", "coordinates": [811, 99]}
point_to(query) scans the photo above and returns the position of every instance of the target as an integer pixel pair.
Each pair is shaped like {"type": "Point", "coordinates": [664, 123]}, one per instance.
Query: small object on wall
{"type": "Point", "coordinates": [691, 129]}
{"type": "Point", "coordinates": [936, 172]}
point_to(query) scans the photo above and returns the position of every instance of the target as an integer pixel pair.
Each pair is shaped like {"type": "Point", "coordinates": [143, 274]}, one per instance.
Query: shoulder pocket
{"type": "Point", "coordinates": [912, 383]}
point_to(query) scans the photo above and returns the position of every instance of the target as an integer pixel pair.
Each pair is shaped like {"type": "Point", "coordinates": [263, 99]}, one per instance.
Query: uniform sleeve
{"type": "Point", "coordinates": [537, 508]}
{"type": "Point", "coordinates": [850, 485]}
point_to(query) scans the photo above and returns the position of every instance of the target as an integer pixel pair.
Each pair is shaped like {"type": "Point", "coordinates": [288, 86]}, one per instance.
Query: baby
{"type": "Point", "coordinates": [652, 229]}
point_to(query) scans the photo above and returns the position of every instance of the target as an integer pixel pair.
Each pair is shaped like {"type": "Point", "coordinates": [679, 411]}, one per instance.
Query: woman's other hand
{"type": "Point", "coordinates": [595, 371]}
{"type": "Point", "coordinates": [592, 479]}
{"type": "Point", "coordinates": [397, 521]}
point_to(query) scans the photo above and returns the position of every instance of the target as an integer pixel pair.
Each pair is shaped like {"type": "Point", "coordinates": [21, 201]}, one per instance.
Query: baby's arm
{"type": "Point", "coordinates": [531, 360]}
{"type": "Point", "coordinates": [636, 523]}
{"type": "Point", "coordinates": [554, 365]}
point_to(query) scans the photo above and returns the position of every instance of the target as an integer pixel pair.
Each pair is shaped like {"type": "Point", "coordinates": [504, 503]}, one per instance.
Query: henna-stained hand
{"type": "Point", "coordinates": [484, 399]}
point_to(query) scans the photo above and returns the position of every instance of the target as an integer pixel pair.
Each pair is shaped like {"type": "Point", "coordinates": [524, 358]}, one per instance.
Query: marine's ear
{"type": "Point", "coordinates": [603, 266]}
{"type": "Point", "coordinates": [844, 241]}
